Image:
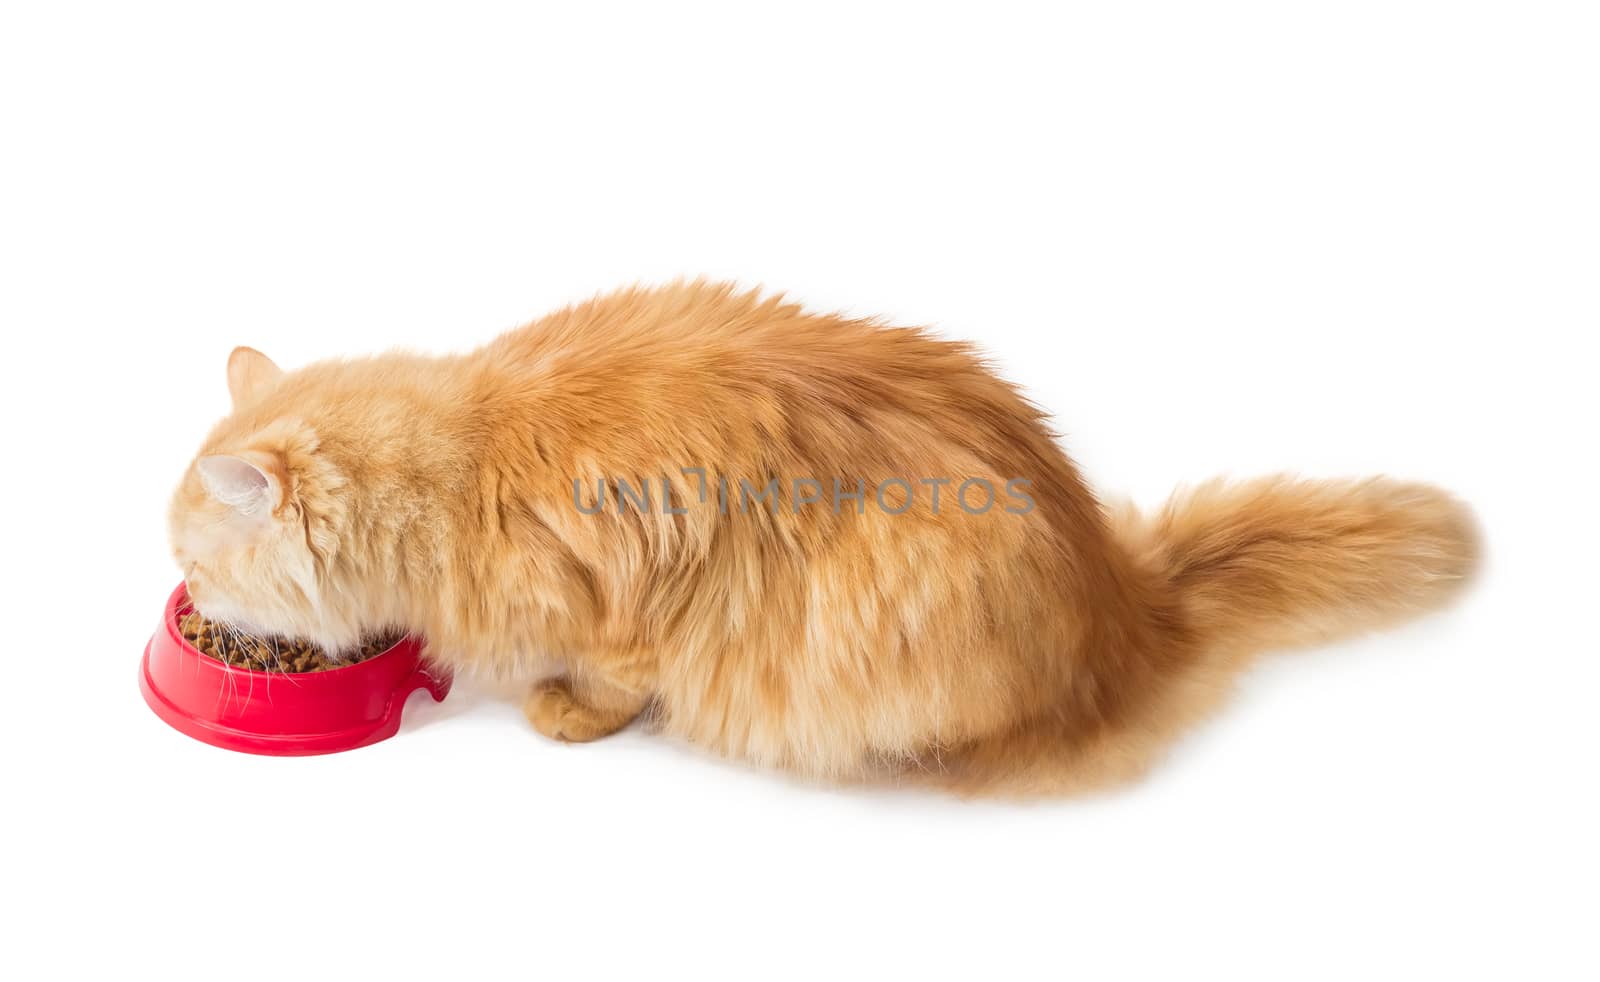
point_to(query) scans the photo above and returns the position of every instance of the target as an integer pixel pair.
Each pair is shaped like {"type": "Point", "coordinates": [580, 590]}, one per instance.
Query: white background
{"type": "Point", "coordinates": [1211, 238]}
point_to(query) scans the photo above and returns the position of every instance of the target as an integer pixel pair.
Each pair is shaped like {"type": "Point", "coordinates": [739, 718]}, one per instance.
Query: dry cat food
{"type": "Point", "coordinates": [271, 654]}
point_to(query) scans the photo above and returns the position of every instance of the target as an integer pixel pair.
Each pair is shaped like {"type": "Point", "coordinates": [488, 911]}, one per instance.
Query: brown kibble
{"type": "Point", "coordinates": [271, 654]}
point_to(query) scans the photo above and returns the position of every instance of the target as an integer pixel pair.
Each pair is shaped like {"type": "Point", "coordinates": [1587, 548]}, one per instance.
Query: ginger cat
{"type": "Point", "coordinates": [767, 528]}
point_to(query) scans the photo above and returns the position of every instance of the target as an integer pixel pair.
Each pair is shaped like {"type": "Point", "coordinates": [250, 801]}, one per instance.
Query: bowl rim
{"type": "Point", "coordinates": [180, 599]}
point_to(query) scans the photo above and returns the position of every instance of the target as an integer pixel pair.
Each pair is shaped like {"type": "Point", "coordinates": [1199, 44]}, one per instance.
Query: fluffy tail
{"type": "Point", "coordinates": [1278, 562]}
{"type": "Point", "coordinates": [1238, 568]}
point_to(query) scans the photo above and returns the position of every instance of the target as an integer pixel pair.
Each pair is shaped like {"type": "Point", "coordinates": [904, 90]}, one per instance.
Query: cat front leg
{"type": "Point", "coordinates": [582, 707]}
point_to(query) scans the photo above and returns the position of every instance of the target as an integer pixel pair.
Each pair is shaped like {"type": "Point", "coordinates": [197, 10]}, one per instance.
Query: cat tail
{"type": "Point", "coordinates": [1278, 562]}
{"type": "Point", "coordinates": [1226, 571]}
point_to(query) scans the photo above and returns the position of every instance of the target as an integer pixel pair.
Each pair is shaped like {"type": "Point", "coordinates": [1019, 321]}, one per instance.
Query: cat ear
{"type": "Point", "coordinates": [240, 484]}
{"type": "Point", "coordinates": [249, 373]}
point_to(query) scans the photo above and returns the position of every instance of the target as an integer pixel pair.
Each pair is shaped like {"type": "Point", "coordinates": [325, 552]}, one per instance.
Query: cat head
{"type": "Point", "coordinates": [257, 521]}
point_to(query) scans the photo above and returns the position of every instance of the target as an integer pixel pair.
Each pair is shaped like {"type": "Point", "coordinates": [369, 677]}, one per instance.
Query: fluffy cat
{"type": "Point", "coordinates": [1042, 645]}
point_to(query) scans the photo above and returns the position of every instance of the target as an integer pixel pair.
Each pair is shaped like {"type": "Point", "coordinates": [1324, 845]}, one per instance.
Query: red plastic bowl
{"type": "Point", "coordinates": [280, 713]}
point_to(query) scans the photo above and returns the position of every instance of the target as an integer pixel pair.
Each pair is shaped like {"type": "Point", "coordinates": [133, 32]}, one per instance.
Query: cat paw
{"type": "Point", "coordinates": [555, 712]}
